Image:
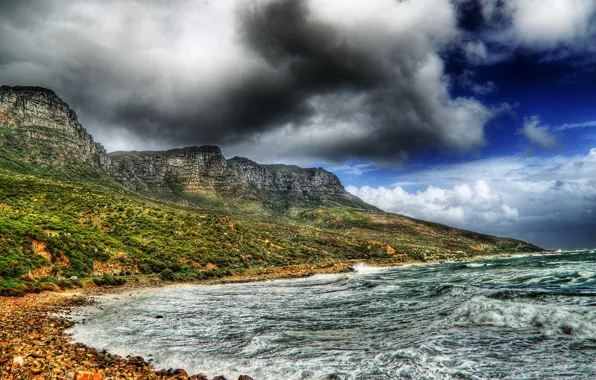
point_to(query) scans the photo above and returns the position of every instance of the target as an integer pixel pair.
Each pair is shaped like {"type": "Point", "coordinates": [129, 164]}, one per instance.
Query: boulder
{"type": "Point", "coordinates": [180, 373]}
{"type": "Point", "coordinates": [198, 377]}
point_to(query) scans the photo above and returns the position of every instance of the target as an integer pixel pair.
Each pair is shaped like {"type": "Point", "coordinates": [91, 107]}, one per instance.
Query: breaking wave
{"type": "Point", "coordinates": [520, 317]}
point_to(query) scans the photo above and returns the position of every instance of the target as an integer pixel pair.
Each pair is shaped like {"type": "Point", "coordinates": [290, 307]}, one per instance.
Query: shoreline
{"type": "Point", "coordinates": [34, 344]}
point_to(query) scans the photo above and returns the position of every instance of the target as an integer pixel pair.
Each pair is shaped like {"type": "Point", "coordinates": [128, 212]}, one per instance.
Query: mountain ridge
{"type": "Point", "coordinates": [71, 209]}
{"type": "Point", "coordinates": [190, 173]}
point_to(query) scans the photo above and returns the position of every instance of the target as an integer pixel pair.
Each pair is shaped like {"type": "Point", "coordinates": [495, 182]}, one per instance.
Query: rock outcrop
{"type": "Point", "coordinates": [38, 127]}
{"type": "Point", "coordinates": [204, 170]}
{"type": "Point", "coordinates": [193, 170]}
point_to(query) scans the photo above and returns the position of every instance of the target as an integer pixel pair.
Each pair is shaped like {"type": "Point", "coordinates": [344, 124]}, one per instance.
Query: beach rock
{"type": "Point", "coordinates": [198, 377]}
{"type": "Point", "coordinates": [245, 377]}
{"type": "Point", "coordinates": [32, 338]}
{"type": "Point", "coordinates": [83, 375]}
{"type": "Point", "coordinates": [219, 378]}
{"type": "Point", "coordinates": [18, 361]}
{"type": "Point", "coordinates": [180, 373]}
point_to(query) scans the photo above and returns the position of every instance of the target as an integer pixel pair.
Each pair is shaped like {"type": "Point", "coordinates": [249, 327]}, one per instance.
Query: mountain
{"type": "Point", "coordinates": [203, 177]}
{"type": "Point", "coordinates": [39, 128]}
{"type": "Point", "coordinates": [70, 208]}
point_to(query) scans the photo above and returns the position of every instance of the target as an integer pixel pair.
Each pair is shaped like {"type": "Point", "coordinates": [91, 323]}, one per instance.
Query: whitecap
{"type": "Point", "coordinates": [362, 268]}
{"type": "Point", "coordinates": [550, 319]}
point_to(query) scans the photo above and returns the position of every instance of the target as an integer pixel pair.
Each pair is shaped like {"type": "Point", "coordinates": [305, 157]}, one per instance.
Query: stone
{"type": "Point", "coordinates": [84, 375]}
{"type": "Point", "coordinates": [245, 377]}
{"type": "Point", "coordinates": [17, 361]}
{"type": "Point", "coordinates": [49, 286]}
{"type": "Point", "coordinates": [180, 373]}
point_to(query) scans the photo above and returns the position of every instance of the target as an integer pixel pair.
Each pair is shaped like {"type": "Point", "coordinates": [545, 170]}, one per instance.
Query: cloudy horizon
{"type": "Point", "coordinates": [473, 113]}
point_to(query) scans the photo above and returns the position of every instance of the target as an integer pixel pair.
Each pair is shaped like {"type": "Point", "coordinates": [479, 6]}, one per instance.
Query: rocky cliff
{"type": "Point", "coordinates": [37, 127]}
{"type": "Point", "coordinates": [204, 170]}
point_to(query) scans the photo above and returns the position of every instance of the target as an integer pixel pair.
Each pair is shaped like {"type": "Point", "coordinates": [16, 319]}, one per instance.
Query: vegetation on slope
{"type": "Point", "coordinates": [62, 214]}
{"type": "Point", "coordinates": [61, 229]}
{"type": "Point", "coordinates": [51, 229]}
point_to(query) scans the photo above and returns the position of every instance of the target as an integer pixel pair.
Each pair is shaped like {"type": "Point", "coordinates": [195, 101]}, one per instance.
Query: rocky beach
{"type": "Point", "coordinates": [34, 345]}
{"type": "Point", "coordinates": [525, 316]}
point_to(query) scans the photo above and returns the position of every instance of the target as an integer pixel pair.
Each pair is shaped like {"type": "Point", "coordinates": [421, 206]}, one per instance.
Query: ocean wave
{"type": "Point", "coordinates": [478, 265]}
{"type": "Point", "coordinates": [517, 318]}
{"type": "Point", "coordinates": [362, 268]}
{"type": "Point", "coordinates": [549, 319]}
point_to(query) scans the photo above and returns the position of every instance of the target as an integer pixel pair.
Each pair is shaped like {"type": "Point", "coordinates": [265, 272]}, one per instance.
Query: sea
{"type": "Point", "coordinates": [522, 317]}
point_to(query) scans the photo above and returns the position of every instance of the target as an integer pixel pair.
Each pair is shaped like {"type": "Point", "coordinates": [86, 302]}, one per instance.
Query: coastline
{"type": "Point", "coordinates": [34, 344]}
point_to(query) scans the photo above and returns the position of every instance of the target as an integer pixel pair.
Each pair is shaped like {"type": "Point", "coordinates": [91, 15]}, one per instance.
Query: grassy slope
{"type": "Point", "coordinates": [50, 228]}
{"type": "Point", "coordinates": [54, 229]}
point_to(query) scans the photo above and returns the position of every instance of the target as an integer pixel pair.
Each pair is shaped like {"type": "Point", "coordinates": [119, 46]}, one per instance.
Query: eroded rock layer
{"type": "Point", "coordinates": [37, 127]}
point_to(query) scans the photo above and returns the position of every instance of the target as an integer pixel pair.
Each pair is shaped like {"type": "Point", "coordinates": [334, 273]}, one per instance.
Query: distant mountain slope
{"type": "Point", "coordinates": [37, 127]}
{"type": "Point", "coordinates": [58, 229]}
{"type": "Point", "coordinates": [200, 174]}
{"type": "Point", "coordinates": [68, 208]}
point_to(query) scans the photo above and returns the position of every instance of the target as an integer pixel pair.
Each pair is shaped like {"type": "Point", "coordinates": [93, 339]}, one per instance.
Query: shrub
{"type": "Point", "coordinates": [108, 280]}
{"type": "Point", "coordinates": [167, 275]}
{"type": "Point", "coordinates": [49, 286]}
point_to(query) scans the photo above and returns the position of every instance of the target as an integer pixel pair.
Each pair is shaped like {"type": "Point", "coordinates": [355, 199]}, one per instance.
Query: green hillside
{"type": "Point", "coordinates": [51, 229]}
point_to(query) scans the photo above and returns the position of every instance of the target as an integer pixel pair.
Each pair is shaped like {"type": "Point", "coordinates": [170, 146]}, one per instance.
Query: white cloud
{"type": "Point", "coordinates": [562, 29]}
{"type": "Point", "coordinates": [476, 51]}
{"type": "Point", "coordinates": [469, 81]}
{"type": "Point", "coordinates": [539, 135]}
{"type": "Point", "coordinates": [546, 23]}
{"type": "Point", "coordinates": [549, 202]}
{"type": "Point", "coordinates": [460, 205]}
{"type": "Point", "coordinates": [353, 169]}
{"type": "Point", "coordinates": [586, 124]}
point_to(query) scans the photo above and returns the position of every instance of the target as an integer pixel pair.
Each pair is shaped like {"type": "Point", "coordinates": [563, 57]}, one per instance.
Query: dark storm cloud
{"type": "Point", "coordinates": [319, 79]}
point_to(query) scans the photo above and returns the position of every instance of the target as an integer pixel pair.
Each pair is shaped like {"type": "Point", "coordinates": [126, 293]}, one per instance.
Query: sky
{"type": "Point", "coordinates": [480, 114]}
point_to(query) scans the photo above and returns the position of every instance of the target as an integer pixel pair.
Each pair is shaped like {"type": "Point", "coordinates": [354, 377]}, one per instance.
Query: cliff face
{"type": "Point", "coordinates": [37, 126]}
{"type": "Point", "coordinates": [204, 170]}
{"type": "Point", "coordinates": [295, 182]}
{"type": "Point", "coordinates": [191, 170]}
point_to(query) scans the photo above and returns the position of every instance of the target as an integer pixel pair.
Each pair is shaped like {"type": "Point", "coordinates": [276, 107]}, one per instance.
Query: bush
{"type": "Point", "coordinates": [49, 286]}
{"type": "Point", "coordinates": [108, 280]}
{"type": "Point", "coordinates": [167, 275]}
